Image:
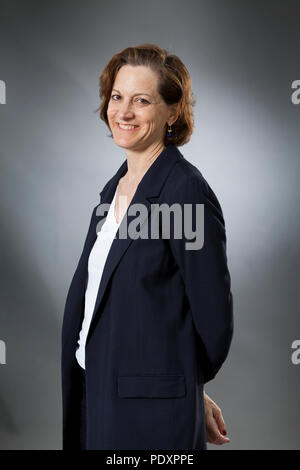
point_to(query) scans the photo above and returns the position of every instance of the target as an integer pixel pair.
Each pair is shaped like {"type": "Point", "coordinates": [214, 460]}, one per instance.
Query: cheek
{"type": "Point", "coordinates": [156, 123]}
{"type": "Point", "coordinates": [111, 110]}
{"type": "Point", "coordinates": [152, 121]}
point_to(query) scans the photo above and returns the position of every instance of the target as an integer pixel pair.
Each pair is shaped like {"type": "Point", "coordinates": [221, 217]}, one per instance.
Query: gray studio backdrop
{"type": "Point", "coordinates": [243, 57]}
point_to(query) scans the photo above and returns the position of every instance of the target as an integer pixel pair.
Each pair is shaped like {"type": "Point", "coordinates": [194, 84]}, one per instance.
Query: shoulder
{"type": "Point", "coordinates": [186, 183]}
{"type": "Point", "coordinates": [185, 172]}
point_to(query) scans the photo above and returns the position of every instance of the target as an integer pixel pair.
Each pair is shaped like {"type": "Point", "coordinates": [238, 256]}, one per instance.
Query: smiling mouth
{"type": "Point", "coordinates": [127, 127]}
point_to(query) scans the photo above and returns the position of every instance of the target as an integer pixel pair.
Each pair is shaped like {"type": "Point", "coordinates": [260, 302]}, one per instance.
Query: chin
{"type": "Point", "coordinates": [125, 143]}
{"type": "Point", "coordinates": [121, 143]}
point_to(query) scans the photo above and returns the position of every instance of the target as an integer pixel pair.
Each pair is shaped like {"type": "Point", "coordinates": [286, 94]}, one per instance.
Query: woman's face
{"type": "Point", "coordinates": [135, 101]}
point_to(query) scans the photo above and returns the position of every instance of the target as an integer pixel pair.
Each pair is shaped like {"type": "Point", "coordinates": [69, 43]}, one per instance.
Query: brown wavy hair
{"type": "Point", "coordinates": [174, 85]}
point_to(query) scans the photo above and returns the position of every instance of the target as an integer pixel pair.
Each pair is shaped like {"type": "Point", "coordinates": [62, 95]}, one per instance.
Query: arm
{"type": "Point", "coordinates": [205, 275]}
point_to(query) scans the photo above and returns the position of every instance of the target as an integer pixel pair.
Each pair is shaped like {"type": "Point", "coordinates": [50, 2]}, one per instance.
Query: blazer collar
{"type": "Point", "coordinates": [149, 187]}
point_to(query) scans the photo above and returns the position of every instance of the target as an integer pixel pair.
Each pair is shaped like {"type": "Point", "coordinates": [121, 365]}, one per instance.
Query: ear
{"type": "Point", "coordinates": [173, 113]}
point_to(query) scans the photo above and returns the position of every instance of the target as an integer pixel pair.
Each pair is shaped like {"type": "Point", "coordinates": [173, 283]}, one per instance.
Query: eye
{"type": "Point", "coordinates": [145, 101]}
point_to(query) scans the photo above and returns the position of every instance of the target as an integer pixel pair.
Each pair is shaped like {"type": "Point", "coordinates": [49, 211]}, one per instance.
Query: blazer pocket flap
{"type": "Point", "coordinates": [151, 386]}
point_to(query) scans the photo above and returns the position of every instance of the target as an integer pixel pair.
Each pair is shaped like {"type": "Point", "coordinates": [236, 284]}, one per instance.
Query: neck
{"type": "Point", "coordinates": [138, 162]}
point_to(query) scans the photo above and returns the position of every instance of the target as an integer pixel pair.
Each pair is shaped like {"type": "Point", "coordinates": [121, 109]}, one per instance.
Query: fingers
{"type": "Point", "coordinates": [217, 414]}
{"type": "Point", "coordinates": [215, 426]}
{"type": "Point", "coordinates": [219, 440]}
{"type": "Point", "coordinates": [213, 434]}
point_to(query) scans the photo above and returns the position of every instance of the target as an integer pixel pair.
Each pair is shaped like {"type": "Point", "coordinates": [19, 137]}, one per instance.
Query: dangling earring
{"type": "Point", "coordinates": [169, 132]}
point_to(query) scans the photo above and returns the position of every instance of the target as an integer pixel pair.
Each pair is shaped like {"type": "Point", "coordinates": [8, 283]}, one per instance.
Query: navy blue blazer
{"type": "Point", "coordinates": [162, 323]}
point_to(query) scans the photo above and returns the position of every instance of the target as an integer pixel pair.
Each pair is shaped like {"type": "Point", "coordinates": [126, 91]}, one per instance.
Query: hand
{"type": "Point", "coordinates": [215, 423]}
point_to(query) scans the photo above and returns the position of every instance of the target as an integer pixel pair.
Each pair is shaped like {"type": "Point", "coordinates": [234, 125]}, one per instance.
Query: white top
{"type": "Point", "coordinates": [96, 262]}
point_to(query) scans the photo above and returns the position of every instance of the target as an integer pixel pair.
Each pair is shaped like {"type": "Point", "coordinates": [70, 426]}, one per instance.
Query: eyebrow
{"type": "Point", "coordinates": [134, 94]}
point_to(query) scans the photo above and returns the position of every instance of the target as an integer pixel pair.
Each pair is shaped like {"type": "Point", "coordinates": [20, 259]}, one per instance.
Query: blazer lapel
{"type": "Point", "coordinates": [149, 188]}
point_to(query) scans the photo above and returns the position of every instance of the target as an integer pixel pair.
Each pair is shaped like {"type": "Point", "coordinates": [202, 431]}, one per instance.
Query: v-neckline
{"type": "Point", "coordinates": [114, 206]}
{"type": "Point", "coordinates": [115, 202]}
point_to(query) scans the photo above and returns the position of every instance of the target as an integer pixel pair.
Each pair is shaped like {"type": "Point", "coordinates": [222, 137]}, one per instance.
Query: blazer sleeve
{"type": "Point", "coordinates": [205, 275]}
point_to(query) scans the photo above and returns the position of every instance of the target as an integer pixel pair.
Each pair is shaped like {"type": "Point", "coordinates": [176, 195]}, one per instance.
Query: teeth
{"type": "Point", "coordinates": [126, 127]}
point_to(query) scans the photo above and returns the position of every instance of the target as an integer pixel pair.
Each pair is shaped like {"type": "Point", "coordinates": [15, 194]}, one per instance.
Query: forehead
{"type": "Point", "coordinates": [132, 79]}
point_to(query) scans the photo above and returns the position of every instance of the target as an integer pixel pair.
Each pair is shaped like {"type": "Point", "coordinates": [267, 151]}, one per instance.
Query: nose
{"type": "Point", "coordinates": [125, 110]}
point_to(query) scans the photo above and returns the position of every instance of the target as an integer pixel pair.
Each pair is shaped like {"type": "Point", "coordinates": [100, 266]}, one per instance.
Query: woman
{"type": "Point", "coordinates": [148, 318]}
